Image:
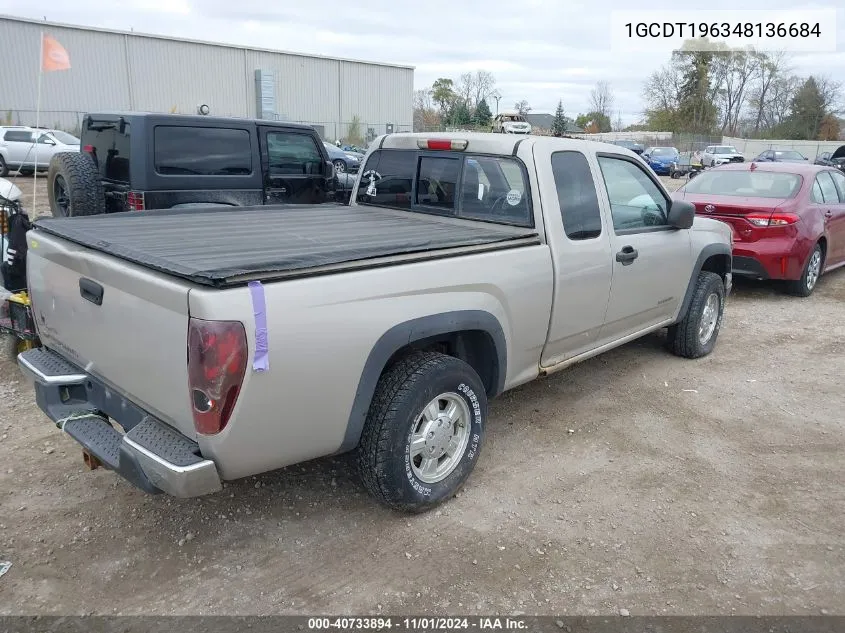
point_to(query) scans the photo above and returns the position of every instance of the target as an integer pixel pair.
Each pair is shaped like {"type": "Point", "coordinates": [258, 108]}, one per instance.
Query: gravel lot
{"type": "Point", "coordinates": [635, 480]}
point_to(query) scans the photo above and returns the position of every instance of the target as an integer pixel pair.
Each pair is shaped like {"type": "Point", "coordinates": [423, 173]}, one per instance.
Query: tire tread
{"type": "Point", "coordinates": [683, 336]}
{"type": "Point", "coordinates": [87, 196]}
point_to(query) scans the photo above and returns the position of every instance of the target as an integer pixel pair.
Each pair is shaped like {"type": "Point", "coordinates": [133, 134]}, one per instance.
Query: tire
{"type": "Point", "coordinates": [340, 166]}
{"type": "Point", "coordinates": [74, 187]}
{"type": "Point", "coordinates": [387, 465]}
{"type": "Point", "coordinates": [804, 286]}
{"type": "Point", "coordinates": [673, 175]}
{"type": "Point", "coordinates": [695, 335]}
{"type": "Point", "coordinates": [4, 168]}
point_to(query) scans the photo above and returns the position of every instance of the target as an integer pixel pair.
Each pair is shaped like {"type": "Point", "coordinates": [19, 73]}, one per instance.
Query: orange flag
{"type": "Point", "coordinates": [53, 55]}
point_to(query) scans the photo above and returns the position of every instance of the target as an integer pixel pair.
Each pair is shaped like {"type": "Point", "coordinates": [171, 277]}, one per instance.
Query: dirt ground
{"type": "Point", "coordinates": [636, 480]}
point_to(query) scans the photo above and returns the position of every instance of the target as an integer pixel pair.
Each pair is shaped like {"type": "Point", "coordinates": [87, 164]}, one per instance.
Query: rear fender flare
{"type": "Point", "coordinates": [402, 335]}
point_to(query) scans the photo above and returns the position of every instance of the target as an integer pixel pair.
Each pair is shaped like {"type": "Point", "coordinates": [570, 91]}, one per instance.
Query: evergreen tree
{"type": "Point", "coordinates": [460, 114]}
{"type": "Point", "coordinates": [482, 114]}
{"type": "Point", "coordinates": [559, 123]}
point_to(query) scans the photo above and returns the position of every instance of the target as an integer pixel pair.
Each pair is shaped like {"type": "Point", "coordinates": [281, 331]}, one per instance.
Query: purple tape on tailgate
{"type": "Point", "coordinates": [259, 310]}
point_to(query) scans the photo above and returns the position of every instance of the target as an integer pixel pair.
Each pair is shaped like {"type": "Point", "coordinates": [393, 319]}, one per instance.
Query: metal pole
{"type": "Point", "coordinates": [37, 116]}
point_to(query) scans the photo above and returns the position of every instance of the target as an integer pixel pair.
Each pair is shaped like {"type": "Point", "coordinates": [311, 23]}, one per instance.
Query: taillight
{"type": "Point", "coordinates": [442, 144]}
{"type": "Point", "coordinates": [771, 219]}
{"type": "Point", "coordinates": [217, 357]}
{"type": "Point", "coordinates": [135, 200]}
{"type": "Point", "coordinates": [88, 149]}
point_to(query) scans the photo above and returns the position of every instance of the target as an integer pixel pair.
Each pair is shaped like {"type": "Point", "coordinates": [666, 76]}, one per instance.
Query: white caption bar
{"type": "Point", "coordinates": [806, 30]}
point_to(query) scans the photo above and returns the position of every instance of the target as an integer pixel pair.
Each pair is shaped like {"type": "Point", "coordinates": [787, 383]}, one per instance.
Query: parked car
{"type": "Point", "coordinates": [833, 159]}
{"type": "Point", "coordinates": [660, 159]}
{"type": "Point", "coordinates": [780, 156]}
{"type": "Point", "coordinates": [510, 122]}
{"type": "Point", "coordinates": [788, 219]}
{"type": "Point", "coordinates": [719, 155]}
{"type": "Point", "coordinates": [442, 284]}
{"type": "Point", "coordinates": [137, 161]}
{"type": "Point", "coordinates": [20, 146]}
{"type": "Point", "coordinates": [343, 161]}
{"type": "Point", "coordinates": [637, 148]}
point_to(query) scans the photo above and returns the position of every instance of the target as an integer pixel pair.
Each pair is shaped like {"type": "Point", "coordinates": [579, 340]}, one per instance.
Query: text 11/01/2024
{"type": "Point", "coordinates": [662, 31]}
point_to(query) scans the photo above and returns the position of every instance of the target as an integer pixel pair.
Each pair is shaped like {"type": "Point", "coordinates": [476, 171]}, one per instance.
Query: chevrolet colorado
{"type": "Point", "coordinates": [185, 347]}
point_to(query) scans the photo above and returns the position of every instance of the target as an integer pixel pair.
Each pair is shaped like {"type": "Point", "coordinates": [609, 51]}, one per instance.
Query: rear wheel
{"type": "Point", "coordinates": [804, 286]}
{"type": "Point", "coordinates": [74, 187]}
{"type": "Point", "coordinates": [695, 335]}
{"type": "Point", "coordinates": [4, 168]}
{"type": "Point", "coordinates": [340, 166]}
{"type": "Point", "coordinates": [423, 431]}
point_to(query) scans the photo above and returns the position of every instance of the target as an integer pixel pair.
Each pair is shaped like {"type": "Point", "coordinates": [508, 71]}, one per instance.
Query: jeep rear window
{"type": "Point", "coordinates": [202, 151]}
{"type": "Point", "coordinates": [477, 187]}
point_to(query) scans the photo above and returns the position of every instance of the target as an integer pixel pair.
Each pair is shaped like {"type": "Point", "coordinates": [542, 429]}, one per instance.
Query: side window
{"type": "Point", "coordinates": [831, 196]}
{"type": "Point", "coordinates": [388, 178]}
{"type": "Point", "coordinates": [576, 195]}
{"type": "Point", "coordinates": [817, 192]}
{"type": "Point", "coordinates": [438, 181]}
{"type": "Point", "coordinates": [494, 189]}
{"type": "Point", "coordinates": [292, 154]}
{"type": "Point", "coordinates": [201, 151]}
{"type": "Point", "coordinates": [17, 136]}
{"type": "Point", "coordinates": [635, 201]}
{"type": "Point", "coordinates": [839, 180]}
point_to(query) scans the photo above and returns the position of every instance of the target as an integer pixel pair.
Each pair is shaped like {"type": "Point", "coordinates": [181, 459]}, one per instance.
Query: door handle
{"type": "Point", "coordinates": [91, 291]}
{"type": "Point", "coordinates": [627, 255]}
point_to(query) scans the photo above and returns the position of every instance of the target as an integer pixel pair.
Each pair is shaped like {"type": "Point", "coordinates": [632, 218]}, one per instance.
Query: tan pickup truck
{"type": "Point", "coordinates": [186, 347]}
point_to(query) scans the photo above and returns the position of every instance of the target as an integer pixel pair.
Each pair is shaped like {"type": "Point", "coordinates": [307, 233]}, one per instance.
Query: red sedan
{"type": "Point", "coordinates": [788, 219]}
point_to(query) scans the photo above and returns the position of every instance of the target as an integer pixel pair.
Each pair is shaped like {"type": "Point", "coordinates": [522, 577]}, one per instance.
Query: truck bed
{"type": "Point", "coordinates": [222, 247]}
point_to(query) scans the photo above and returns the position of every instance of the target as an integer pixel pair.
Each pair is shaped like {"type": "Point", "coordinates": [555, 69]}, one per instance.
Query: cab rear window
{"type": "Point", "coordinates": [202, 151]}
{"type": "Point", "coordinates": [477, 187]}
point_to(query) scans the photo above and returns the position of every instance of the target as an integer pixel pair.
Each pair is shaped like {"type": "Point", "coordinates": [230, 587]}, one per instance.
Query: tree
{"type": "Point", "coordinates": [460, 114]}
{"type": "Point", "coordinates": [425, 115]}
{"type": "Point", "coordinates": [522, 107]}
{"type": "Point", "coordinates": [482, 114]}
{"type": "Point", "coordinates": [618, 124]}
{"type": "Point", "coordinates": [353, 132]}
{"type": "Point", "coordinates": [601, 98]}
{"type": "Point", "coordinates": [484, 83]}
{"type": "Point", "coordinates": [465, 88]}
{"type": "Point", "coordinates": [829, 129]}
{"type": "Point", "coordinates": [772, 68]}
{"type": "Point", "coordinates": [697, 112]}
{"type": "Point", "coordinates": [443, 94]}
{"type": "Point", "coordinates": [808, 108]}
{"type": "Point", "coordinates": [595, 121]}
{"type": "Point", "coordinates": [559, 122]}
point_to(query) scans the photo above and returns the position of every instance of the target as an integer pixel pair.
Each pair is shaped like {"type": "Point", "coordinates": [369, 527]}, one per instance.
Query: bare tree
{"type": "Point", "coordinates": [772, 68]}
{"type": "Point", "coordinates": [662, 89]}
{"type": "Point", "coordinates": [465, 88]}
{"type": "Point", "coordinates": [831, 93]}
{"type": "Point", "coordinates": [522, 107]}
{"type": "Point", "coordinates": [740, 71]}
{"type": "Point", "coordinates": [484, 83]}
{"type": "Point", "coordinates": [425, 113]}
{"type": "Point", "coordinates": [601, 98]}
{"type": "Point", "coordinates": [618, 124]}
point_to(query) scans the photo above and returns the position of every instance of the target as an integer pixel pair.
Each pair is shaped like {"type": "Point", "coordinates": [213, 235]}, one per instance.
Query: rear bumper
{"type": "Point", "coordinates": [769, 259]}
{"type": "Point", "coordinates": [150, 454]}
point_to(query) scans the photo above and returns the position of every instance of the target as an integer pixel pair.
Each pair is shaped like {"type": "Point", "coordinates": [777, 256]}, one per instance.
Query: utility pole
{"type": "Point", "coordinates": [495, 94]}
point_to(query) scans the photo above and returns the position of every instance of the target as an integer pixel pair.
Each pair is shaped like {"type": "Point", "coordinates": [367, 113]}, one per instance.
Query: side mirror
{"type": "Point", "coordinates": [681, 214]}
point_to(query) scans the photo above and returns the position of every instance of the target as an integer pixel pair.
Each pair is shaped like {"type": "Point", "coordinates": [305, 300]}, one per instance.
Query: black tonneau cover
{"type": "Point", "coordinates": [224, 246]}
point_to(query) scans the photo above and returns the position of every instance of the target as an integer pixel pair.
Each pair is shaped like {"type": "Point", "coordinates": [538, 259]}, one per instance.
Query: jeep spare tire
{"type": "Point", "coordinates": [73, 186]}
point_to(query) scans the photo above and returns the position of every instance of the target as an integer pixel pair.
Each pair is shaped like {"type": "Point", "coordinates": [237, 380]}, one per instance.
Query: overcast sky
{"type": "Point", "coordinates": [539, 50]}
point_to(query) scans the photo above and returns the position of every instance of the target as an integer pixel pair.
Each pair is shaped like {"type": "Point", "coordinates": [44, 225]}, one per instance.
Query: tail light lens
{"type": "Point", "coordinates": [771, 219]}
{"type": "Point", "coordinates": [135, 200]}
{"type": "Point", "coordinates": [217, 357]}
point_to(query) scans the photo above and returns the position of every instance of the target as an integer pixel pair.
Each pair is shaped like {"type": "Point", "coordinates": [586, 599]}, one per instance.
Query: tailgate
{"type": "Point", "coordinates": [135, 340]}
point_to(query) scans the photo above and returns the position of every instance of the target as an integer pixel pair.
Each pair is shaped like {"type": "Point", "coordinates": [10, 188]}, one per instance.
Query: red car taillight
{"type": "Point", "coordinates": [217, 357]}
{"type": "Point", "coordinates": [135, 200]}
{"type": "Point", "coordinates": [771, 219]}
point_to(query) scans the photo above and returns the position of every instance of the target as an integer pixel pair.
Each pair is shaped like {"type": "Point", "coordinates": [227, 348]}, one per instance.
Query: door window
{"type": "Point", "coordinates": [829, 193]}
{"type": "Point", "coordinates": [576, 195]}
{"type": "Point", "coordinates": [290, 153]}
{"type": "Point", "coordinates": [18, 136]}
{"type": "Point", "coordinates": [839, 180]}
{"type": "Point", "coordinates": [636, 203]}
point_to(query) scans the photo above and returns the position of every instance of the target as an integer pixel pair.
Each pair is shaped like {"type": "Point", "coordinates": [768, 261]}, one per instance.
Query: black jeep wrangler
{"type": "Point", "coordinates": [136, 161]}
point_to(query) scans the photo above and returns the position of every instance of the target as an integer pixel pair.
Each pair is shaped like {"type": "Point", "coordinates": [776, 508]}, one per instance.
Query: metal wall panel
{"type": "Point", "coordinates": [127, 71]}
{"type": "Point", "coordinates": [97, 77]}
{"type": "Point", "coordinates": [178, 76]}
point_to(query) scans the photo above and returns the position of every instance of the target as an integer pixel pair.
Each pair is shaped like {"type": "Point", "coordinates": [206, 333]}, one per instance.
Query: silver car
{"type": "Point", "coordinates": [21, 146]}
{"type": "Point", "coordinates": [720, 154]}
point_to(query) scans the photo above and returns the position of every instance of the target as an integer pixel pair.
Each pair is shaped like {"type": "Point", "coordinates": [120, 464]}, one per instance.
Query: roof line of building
{"type": "Point", "coordinates": [170, 38]}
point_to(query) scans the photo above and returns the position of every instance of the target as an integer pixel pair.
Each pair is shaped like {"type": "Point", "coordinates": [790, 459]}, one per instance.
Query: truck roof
{"type": "Point", "coordinates": [224, 246]}
{"type": "Point", "coordinates": [190, 119]}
